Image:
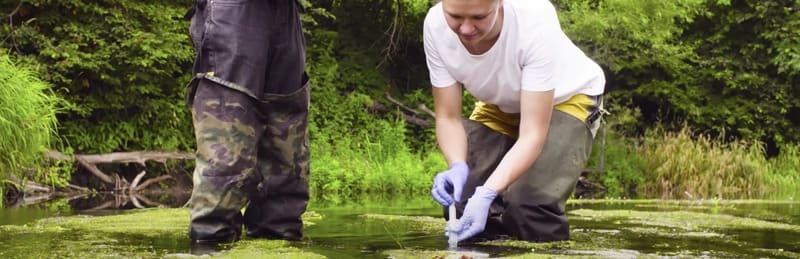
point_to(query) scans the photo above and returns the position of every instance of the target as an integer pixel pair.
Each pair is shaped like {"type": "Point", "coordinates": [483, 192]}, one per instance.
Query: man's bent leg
{"type": "Point", "coordinates": [535, 203]}
{"type": "Point", "coordinates": [225, 169]}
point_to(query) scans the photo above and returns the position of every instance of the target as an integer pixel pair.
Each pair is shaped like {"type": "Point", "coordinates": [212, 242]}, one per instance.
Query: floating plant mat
{"type": "Point", "coordinates": [668, 231]}
{"type": "Point", "coordinates": [599, 229]}
{"type": "Point", "coordinates": [149, 233]}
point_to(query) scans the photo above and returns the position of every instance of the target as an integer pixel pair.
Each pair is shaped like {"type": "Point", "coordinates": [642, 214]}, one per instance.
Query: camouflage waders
{"type": "Point", "coordinates": [249, 101]}
{"type": "Point", "coordinates": [533, 207]}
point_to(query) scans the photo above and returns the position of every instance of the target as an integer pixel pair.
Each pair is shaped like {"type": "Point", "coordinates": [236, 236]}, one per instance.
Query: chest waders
{"type": "Point", "coordinates": [533, 207]}
{"type": "Point", "coordinates": [249, 100]}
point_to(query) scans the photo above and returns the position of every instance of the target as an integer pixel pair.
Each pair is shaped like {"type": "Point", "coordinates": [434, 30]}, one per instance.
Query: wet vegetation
{"type": "Point", "coordinates": [600, 229]}
{"type": "Point", "coordinates": [27, 124]}
{"type": "Point", "coordinates": [700, 93]}
{"type": "Point", "coordinates": [151, 233]}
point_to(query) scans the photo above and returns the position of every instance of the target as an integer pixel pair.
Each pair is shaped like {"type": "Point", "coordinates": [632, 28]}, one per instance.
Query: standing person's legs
{"type": "Point", "coordinates": [230, 39]}
{"type": "Point", "coordinates": [535, 203]}
{"type": "Point", "coordinates": [283, 160]}
{"type": "Point", "coordinates": [283, 154]}
{"type": "Point", "coordinates": [226, 130]}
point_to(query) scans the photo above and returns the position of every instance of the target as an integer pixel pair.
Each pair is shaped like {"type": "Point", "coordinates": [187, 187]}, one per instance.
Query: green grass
{"type": "Point", "coordinates": [660, 164]}
{"type": "Point", "coordinates": [784, 172]}
{"type": "Point", "coordinates": [373, 164]}
{"type": "Point", "coordinates": [27, 119]}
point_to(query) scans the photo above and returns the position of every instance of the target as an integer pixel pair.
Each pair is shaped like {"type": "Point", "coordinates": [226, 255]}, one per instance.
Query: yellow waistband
{"type": "Point", "coordinates": [578, 105]}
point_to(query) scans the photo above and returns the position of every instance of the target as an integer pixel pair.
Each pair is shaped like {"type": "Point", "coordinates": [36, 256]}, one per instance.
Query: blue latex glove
{"type": "Point", "coordinates": [450, 181]}
{"type": "Point", "coordinates": [475, 214]}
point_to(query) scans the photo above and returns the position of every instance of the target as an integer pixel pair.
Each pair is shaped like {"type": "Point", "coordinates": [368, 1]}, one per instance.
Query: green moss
{"type": "Point", "coordinates": [148, 233]}
{"type": "Point", "coordinates": [672, 230]}
{"type": "Point", "coordinates": [267, 249]}
{"type": "Point", "coordinates": [620, 233]}
{"type": "Point", "coordinates": [682, 220]}
{"type": "Point", "coordinates": [661, 203]}
{"type": "Point", "coordinates": [437, 254]}
{"type": "Point", "coordinates": [659, 232]}
{"type": "Point", "coordinates": [533, 246]}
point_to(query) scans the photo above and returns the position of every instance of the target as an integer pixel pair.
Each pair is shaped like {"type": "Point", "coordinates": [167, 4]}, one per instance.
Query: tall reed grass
{"type": "Point", "coordinates": [27, 119]}
{"type": "Point", "coordinates": [686, 165]}
{"type": "Point", "coordinates": [783, 178]}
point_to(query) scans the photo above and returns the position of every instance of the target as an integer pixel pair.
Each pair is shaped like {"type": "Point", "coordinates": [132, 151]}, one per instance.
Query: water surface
{"type": "Point", "coordinates": [412, 228]}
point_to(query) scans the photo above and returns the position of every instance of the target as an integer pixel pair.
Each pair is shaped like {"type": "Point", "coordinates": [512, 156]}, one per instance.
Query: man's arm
{"type": "Point", "coordinates": [536, 108]}
{"type": "Point", "coordinates": [450, 134]}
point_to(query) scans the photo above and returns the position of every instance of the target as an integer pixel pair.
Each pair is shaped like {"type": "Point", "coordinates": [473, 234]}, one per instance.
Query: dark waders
{"type": "Point", "coordinates": [249, 101]}
{"type": "Point", "coordinates": [533, 207]}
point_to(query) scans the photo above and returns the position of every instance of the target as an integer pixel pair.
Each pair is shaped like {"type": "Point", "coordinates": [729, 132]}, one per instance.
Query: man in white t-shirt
{"type": "Point", "coordinates": [518, 157]}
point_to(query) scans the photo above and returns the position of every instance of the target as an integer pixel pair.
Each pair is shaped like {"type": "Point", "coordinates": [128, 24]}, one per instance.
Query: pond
{"type": "Point", "coordinates": [412, 228]}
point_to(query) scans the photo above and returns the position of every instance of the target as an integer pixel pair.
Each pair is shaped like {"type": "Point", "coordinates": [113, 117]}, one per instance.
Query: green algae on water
{"type": "Point", "coordinates": [147, 233]}
{"type": "Point", "coordinates": [267, 249]}
{"type": "Point", "coordinates": [685, 220]}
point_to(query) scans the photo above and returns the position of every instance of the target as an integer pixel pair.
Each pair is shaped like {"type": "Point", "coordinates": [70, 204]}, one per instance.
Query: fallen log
{"type": "Point", "coordinates": [94, 170]}
{"type": "Point", "coordinates": [414, 118]}
{"type": "Point", "coordinates": [90, 162]}
{"type": "Point", "coordinates": [427, 110]}
{"type": "Point", "coordinates": [401, 105]}
{"type": "Point", "coordinates": [139, 157]}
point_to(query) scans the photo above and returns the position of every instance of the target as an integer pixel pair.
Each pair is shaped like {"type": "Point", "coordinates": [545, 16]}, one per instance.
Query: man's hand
{"type": "Point", "coordinates": [475, 214]}
{"type": "Point", "coordinates": [450, 181]}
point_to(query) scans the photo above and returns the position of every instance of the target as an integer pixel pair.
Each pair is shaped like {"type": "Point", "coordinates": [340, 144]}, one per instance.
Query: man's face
{"type": "Point", "coordinates": [472, 20]}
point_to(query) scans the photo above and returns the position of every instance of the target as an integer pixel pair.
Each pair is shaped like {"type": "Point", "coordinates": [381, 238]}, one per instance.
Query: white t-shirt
{"type": "Point", "coordinates": [532, 53]}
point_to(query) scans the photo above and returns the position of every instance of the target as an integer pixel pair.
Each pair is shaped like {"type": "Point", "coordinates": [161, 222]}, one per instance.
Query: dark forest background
{"type": "Point", "coordinates": [702, 93]}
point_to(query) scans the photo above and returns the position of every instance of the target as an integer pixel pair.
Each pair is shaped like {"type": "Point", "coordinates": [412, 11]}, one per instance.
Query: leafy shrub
{"type": "Point", "coordinates": [124, 64]}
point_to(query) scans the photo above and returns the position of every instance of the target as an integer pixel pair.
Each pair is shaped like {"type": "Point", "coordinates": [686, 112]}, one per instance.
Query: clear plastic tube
{"type": "Point", "coordinates": [452, 238]}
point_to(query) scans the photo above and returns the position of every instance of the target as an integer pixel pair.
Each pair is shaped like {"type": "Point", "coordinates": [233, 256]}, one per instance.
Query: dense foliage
{"type": "Point", "coordinates": [122, 63]}
{"type": "Point", "coordinates": [723, 67]}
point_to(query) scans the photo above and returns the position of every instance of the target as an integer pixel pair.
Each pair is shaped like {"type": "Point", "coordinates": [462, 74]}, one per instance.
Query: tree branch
{"type": "Point", "coordinates": [83, 189]}
{"type": "Point", "coordinates": [94, 170]}
{"type": "Point", "coordinates": [427, 110]}
{"type": "Point", "coordinates": [12, 13]}
{"type": "Point", "coordinates": [401, 105]}
{"type": "Point", "coordinates": [152, 181]}
{"type": "Point", "coordinates": [35, 187]}
{"type": "Point", "coordinates": [136, 180]}
{"type": "Point", "coordinates": [135, 157]}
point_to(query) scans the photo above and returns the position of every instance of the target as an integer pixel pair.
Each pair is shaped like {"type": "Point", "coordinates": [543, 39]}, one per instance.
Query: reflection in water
{"type": "Point", "coordinates": [130, 201]}
{"type": "Point", "coordinates": [27, 209]}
